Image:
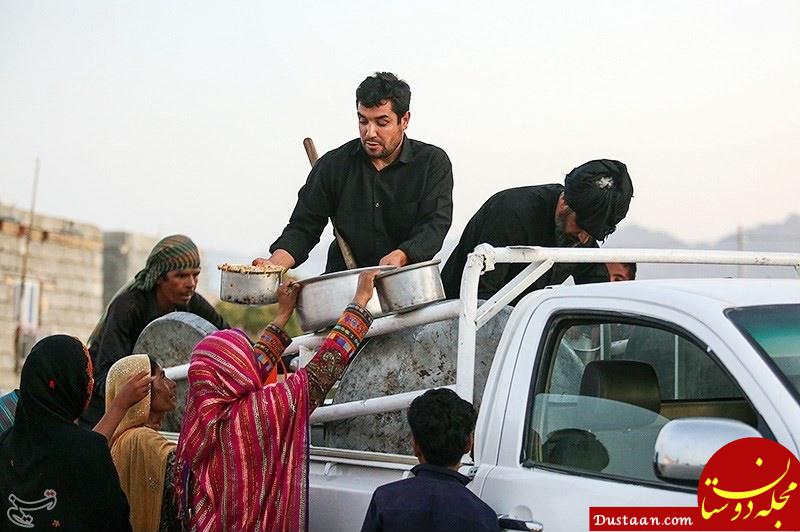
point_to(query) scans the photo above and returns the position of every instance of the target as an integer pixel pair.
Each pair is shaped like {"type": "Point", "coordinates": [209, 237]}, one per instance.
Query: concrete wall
{"type": "Point", "coordinates": [65, 261]}
{"type": "Point", "coordinates": [77, 269]}
{"type": "Point", "coordinates": [124, 254]}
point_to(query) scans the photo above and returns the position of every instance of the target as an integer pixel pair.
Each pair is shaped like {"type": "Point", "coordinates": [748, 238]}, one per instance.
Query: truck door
{"type": "Point", "coordinates": [591, 397]}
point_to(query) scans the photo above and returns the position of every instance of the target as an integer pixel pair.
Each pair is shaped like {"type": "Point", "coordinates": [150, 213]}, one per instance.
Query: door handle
{"type": "Point", "coordinates": [512, 523]}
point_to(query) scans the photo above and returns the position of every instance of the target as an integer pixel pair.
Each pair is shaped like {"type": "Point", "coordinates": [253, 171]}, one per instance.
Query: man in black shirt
{"type": "Point", "coordinates": [587, 208]}
{"type": "Point", "coordinates": [166, 284]}
{"type": "Point", "coordinates": [389, 197]}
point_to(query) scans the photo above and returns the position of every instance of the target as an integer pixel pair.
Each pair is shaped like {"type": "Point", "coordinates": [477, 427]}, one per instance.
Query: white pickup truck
{"type": "Point", "coordinates": [614, 394]}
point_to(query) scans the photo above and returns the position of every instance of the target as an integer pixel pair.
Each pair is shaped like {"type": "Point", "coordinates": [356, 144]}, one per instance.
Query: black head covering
{"type": "Point", "coordinates": [55, 384]}
{"type": "Point", "coordinates": [599, 192]}
{"type": "Point", "coordinates": [52, 472]}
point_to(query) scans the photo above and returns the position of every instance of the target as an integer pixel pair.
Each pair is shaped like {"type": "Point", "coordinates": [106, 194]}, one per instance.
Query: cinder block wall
{"type": "Point", "coordinates": [66, 258]}
{"type": "Point", "coordinates": [124, 254]}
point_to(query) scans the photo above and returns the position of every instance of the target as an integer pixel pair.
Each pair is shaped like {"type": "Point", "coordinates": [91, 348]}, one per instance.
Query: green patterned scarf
{"type": "Point", "coordinates": [175, 252]}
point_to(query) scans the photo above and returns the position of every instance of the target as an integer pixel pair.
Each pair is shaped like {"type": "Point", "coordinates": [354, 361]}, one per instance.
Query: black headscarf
{"type": "Point", "coordinates": [599, 192]}
{"type": "Point", "coordinates": [54, 474]}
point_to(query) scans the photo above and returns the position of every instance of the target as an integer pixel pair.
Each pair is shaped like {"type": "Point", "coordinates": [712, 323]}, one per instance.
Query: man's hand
{"type": "Point", "coordinates": [397, 258]}
{"type": "Point", "coordinates": [287, 299]}
{"type": "Point", "coordinates": [133, 391]}
{"type": "Point", "coordinates": [366, 287]}
{"type": "Point", "coordinates": [280, 258]}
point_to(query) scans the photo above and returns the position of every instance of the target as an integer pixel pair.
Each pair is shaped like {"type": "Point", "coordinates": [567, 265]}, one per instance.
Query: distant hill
{"type": "Point", "coordinates": [783, 237]}
{"type": "Point", "coordinates": [636, 236]}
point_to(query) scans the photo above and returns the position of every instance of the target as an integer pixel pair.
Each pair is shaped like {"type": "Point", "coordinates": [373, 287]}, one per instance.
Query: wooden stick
{"type": "Point", "coordinates": [347, 253]}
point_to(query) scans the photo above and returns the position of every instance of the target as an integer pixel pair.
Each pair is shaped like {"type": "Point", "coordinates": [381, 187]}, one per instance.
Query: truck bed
{"type": "Point", "coordinates": [341, 483]}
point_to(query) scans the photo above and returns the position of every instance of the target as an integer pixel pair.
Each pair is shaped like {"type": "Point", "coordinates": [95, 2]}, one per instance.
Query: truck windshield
{"type": "Point", "coordinates": [775, 331]}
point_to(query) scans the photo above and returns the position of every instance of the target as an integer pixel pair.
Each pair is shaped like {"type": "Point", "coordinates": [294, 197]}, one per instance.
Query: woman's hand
{"type": "Point", "coordinates": [287, 299]}
{"type": "Point", "coordinates": [133, 391]}
{"type": "Point", "coordinates": [366, 285]}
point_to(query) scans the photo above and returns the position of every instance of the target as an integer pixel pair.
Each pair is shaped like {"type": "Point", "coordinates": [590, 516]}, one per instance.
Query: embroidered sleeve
{"type": "Point", "coordinates": [331, 358]}
{"type": "Point", "coordinates": [270, 346]}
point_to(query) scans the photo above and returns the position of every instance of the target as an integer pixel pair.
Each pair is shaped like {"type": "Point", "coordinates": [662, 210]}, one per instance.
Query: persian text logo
{"type": "Point", "coordinates": [17, 513]}
{"type": "Point", "coordinates": [751, 484]}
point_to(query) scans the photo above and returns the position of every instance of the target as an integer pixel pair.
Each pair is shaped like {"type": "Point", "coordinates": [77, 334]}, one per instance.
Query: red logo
{"type": "Point", "coordinates": [751, 484]}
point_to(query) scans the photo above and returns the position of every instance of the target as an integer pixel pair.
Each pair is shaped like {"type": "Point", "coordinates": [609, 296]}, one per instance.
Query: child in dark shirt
{"type": "Point", "coordinates": [436, 497]}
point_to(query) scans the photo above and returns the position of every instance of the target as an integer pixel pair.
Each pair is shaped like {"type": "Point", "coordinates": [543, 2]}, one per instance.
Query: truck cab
{"type": "Point", "coordinates": [587, 378]}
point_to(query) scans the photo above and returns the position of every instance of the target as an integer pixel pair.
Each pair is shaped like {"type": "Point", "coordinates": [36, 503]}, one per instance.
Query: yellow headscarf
{"type": "Point", "coordinates": [139, 452]}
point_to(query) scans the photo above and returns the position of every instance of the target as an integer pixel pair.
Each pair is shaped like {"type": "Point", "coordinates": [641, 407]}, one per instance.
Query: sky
{"type": "Point", "coordinates": [165, 117]}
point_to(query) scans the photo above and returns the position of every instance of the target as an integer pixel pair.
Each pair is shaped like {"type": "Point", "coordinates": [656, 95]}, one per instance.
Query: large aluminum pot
{"type": "Point", "coordinates": [323, 298]}
{"type": "Point", "coordinates": [170, 339]}
{"type": "Point", "coordinates": [410, 287]}
{"type": "Point", "coordinates": [249, 285]}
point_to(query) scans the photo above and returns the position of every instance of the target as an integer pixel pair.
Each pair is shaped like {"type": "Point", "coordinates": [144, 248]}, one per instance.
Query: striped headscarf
{"type": "Point", "coordinates": [174, 252]}
{"type": "Point", "coordinates": [242, 456]}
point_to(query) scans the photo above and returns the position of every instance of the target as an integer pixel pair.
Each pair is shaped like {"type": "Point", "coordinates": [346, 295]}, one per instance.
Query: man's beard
{"type": "Point", "coordinates": [384, 153]}
{"type": "Point", "coordinates": [563, 240]}
{"type": "Point", "coordinates": [380, 155]}
{"type": "Point", "coordinates": [560, 271]}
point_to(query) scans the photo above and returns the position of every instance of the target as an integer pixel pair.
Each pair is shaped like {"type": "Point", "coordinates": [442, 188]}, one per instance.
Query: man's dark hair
{"type": "Point", "coordinates": [385, 86]}
{"type": "Point", "coordinates": [441, 423]}
{"type": "Point", "coordinates": [631, 267]}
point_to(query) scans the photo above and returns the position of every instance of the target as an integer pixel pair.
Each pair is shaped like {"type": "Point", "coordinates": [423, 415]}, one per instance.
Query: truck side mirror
{"type": "Point", "coordinates": [684, 446]}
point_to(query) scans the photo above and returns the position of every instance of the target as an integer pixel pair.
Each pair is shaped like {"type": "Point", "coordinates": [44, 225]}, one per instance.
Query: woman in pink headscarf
{"type": "Point", "coordinates": [242, 456]}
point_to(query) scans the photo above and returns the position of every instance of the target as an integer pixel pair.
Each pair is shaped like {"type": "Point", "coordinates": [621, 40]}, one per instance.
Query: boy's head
{"type": "Point", "coordinates": [442, 425]}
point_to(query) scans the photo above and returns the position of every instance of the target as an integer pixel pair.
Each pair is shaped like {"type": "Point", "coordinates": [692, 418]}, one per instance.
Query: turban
{"type": "Point", "coordinates": [176, 252]}
{"type": "Point", "coordinates": [599, 192]}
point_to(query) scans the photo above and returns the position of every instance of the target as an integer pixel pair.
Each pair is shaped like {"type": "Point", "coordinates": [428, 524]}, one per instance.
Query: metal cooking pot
{"type": "Point", "coordinates": [249, 287]}
{"type": "Point", "coordinates": [410, 287]}
{"type": "Point", "coordinates": [323, 298]}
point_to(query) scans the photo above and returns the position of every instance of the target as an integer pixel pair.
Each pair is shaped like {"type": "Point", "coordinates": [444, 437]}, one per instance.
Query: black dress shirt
{"type": "Point", "coordinates": [523, 216]}
{"type": "Point", "coordinates": [408, 205]}
{"type": "Point", "coordinates": [435, 499]}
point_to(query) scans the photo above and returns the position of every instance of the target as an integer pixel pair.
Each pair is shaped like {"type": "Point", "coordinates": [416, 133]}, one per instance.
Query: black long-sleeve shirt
{"type": "Point", "coordinates": [523, 216]}
{"type": "Point", "coordinates": [128, 314]}
{"type": "Point", "coordinates": [408, 205]}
